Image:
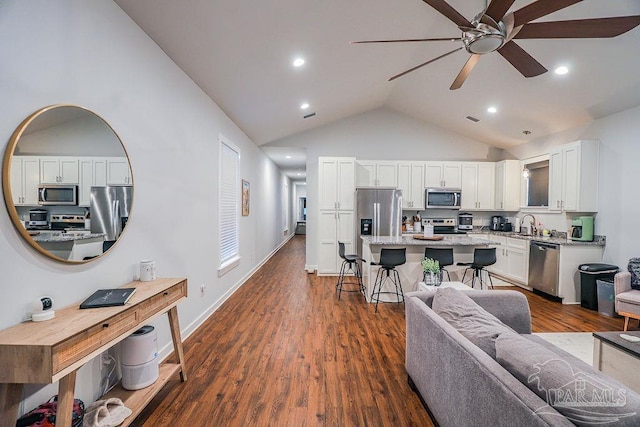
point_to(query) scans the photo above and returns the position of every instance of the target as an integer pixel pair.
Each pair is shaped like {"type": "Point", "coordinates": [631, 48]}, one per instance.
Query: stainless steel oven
{"type": "Point", "coordinates": [442, 198]}
{"type": "Point", "coordinates": [51, 194]}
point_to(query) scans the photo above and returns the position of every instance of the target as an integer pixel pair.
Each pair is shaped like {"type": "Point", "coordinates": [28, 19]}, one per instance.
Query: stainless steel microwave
{"type": "Point", "coordinates": [51, 194]}
{"type": "Point", "coordinates": [442, 198]}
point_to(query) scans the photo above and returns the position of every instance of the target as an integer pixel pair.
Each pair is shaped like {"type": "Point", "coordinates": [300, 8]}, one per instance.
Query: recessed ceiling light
{"type": "Point", "coordinates": [562, 70]}
{"type": "Point", "coordinates": [299, 174]}
{"type": "Point", "coordinates": [304, 106]}
{"type": "Point", "coordinates": [287, 157]}
{"type": "Point", "coordinates": [492, 110]}
{"type": "Point", "coordinates": [298, 62]}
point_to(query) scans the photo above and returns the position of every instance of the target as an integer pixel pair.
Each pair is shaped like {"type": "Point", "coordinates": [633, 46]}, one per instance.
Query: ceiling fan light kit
{"type": "Point", "coordinates": [494, 30]}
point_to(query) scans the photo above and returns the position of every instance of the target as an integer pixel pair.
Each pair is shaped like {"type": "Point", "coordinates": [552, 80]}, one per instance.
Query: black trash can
{"type": "Point", "coordinates": [589, 273]}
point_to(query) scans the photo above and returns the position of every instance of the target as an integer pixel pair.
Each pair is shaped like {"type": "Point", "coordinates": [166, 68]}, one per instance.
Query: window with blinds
{"type": "Point", "coordinates": [229, 205]}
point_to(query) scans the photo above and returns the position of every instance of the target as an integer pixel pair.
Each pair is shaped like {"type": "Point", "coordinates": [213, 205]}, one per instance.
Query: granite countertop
{"type": "Point", "coordinates": [559, 240]}
{"type": "Point", "coordinates": [64, 237]}
{"type": "Point", "coordinates": [449, 240]}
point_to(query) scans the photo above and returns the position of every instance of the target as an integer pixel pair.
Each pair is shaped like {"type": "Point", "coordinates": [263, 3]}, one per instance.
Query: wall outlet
{"type": "Point", "coordinates": [202, 289]}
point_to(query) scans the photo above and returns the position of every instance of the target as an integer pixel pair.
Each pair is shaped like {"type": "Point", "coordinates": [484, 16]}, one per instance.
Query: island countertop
{"type": "Point", "coordinates": [64, 237]}
{"type": "Point", "coordinates": [448, 240]}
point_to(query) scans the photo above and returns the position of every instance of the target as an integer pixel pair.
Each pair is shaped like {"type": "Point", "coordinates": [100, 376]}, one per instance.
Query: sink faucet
{"type": "Point", "coordinates": [534, 230]}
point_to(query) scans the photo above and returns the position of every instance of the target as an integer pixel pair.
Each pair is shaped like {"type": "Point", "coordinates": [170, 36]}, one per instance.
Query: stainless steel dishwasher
{"type": "Point", "coordinates": [544, 267]}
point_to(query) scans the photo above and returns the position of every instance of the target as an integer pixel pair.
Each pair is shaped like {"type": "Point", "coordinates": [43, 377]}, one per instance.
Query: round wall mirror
{"type": "Point", "coordinates": [67, 183]}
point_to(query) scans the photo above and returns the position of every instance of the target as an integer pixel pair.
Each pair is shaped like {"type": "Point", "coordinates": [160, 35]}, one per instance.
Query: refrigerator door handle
{"type": "Point", "coordinates": [376, 219]}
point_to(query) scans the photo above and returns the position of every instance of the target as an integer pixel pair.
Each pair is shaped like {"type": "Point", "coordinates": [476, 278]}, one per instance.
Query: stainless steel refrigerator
{"type": "Point", "coordinates": [109, 208]}
{"type": "Point", "coordinates": [378, 213]}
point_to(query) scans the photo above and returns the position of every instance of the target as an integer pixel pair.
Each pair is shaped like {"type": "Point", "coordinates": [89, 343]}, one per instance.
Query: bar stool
{"type": "Point", "coordinates": [389, 260]}
{"type": "Point", "coordinates": [482, 257]}
{"type": "Point", "coordinates": [444, 256]}
{"type": "Point", "coordinates": [349, 264]}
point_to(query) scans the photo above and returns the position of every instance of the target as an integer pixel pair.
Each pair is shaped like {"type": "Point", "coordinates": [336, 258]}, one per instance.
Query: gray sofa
{"type": "Point", "coordinates": [462, 385]}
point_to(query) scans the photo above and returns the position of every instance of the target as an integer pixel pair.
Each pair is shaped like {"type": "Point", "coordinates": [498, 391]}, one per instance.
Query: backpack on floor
{"type": "Point", "coordinates": [45, 414]}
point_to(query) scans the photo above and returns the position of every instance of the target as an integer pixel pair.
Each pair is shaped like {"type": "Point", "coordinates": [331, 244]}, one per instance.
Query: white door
{"type": "Point", "coordinates": [49, 170]}
{"type": "Point", "coordinates": [346, 184]}
{"type": "Point", "coordinates": [469, 186]}
{"type": "Point", "coordinates": [570, 181]}
{"type": "Point", "coordinates": [485, 195]}
{"type": "Point", "coordinates": [328, 254]}
{"type": "Point", "coordinates": [31, 179]}
{"type": "Point", "coordinates": [500, 177]}
{"type": "Point", "coordinates": [433, 174]}
{"type": "Point", "coordinates": [69, 172]}
{"type": "Point", "coordinates": [404, 183]}
{"type": "Point", "coordinates": [387, 174]}
{"type": "Point", "coordinates": [417, 187]}
{"type": "Point", "coordinates": [86, 182]}
{"type": "Point", "coordinates": [555, 180]}
{"type": "Point", "coordinates": [451, 174]}
{"type": "Point", "coordinates": [365, 173]}
{"type": "Point", "coordinates": [118, 172]}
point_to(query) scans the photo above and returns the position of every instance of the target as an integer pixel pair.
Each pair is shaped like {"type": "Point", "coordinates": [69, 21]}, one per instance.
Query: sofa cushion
{"type": "Point", "coordinates": [579, 392]}
{"type": "Point", "coordinates": [472, 321]}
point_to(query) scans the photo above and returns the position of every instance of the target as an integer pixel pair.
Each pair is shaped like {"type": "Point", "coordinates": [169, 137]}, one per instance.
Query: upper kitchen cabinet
{"type": "Point", "coordinates": [118, 171]}
{"type": "Point", "coordinates": [478, 186]}
{"type": "Point", "coordinates": [93, 173]}
{"type": "Point", "coordinates": [411, 182]}
{"type": "Point", "coordinates": [337, 182]}
{"type": "Point", "coordinates": [443, 174]}
{"type": "Point", "coordinates": [59, 170]}
{"type": "Point", "coordinates": [508, 185]}
{"type": "Point", "coordinates": [573, 177]}
{"type": "Point", "coordinates": [372, 173]}
{"type": "Point", "coordinates": [25, 178]}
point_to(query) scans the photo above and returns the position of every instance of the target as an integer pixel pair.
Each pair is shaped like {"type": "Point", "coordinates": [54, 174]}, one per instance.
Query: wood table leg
{"type": "Point", "coordinates": [177, 341]}
{"type": "Point", "coordinates": [10, 396]}
{"type": "Point", "coordinates": [66, 389]}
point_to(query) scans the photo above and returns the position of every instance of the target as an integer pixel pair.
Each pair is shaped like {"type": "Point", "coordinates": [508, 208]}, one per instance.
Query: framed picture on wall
{"type": "Point", "coordinates": [245, 198]}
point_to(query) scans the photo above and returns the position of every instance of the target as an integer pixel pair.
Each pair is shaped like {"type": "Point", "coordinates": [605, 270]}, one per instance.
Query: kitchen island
{"type": "Point", "coordinates": [411, 271]}
{"type": "Point", "coordinates": [71, 246]}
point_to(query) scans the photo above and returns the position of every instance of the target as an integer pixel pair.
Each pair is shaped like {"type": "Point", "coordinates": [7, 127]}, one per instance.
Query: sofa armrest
{"type": "Point", "coordinates": [622, 282]}
{"type": "Point", "coordinates": [511, 307]}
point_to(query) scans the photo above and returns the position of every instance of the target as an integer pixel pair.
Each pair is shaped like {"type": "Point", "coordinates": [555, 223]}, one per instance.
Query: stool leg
{"type": "Point", "coordinates": [377, 285]}
{"type": "Point", "coordinates": [340, 279]}
{"type": "Point", "coordinates": [398, 284]}
{"type": "Point", "coordinates": [490, 281]}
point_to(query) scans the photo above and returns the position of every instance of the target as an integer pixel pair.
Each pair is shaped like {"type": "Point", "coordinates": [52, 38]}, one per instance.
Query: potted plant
{"type": "Point", "coordinates": [432, 273]}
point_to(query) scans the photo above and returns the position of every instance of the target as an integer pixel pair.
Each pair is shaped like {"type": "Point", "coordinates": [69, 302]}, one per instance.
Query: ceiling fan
{"type": "Point", "coordinates": [494, 30]}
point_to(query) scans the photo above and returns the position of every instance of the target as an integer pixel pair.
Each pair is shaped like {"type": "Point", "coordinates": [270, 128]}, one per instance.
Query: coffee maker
{"type": "Point", "coordinates": [582, 229]}
{"type": "Point", "coordinates": [496, 222]}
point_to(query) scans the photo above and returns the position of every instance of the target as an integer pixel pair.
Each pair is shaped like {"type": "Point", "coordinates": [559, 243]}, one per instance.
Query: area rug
{"type": "Point", "coordinates": [579, 344]}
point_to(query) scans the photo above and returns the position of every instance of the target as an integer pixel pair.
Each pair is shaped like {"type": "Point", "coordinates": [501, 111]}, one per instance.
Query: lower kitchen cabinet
{"type": "Point", "coordinates": [335, 226]}
{"type": "Point", "coordinates": [512, 258]}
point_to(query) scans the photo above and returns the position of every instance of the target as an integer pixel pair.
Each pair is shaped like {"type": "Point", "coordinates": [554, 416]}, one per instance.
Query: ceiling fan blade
{"type": "Point", "coordinates": [498, 8]}
{"type": "Point", "coordinates": [444, 8]}
{"type": "Point", "coordinates": [464, 73]}
{"type": "Point", "coordinates": [423, 64]}
{"type": "Point", "coordinates": [448, 39]}
{"type": "Point", "coordinates": [521, 60]}
{"type": "Point", "coordinates": [539, 9]}
{"type": "Point", "coordinates": [579, 28]}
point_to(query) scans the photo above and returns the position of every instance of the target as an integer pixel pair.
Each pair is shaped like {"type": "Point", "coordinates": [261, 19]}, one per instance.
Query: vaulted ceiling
{"type": "Point", "coordinates": [240, 53]}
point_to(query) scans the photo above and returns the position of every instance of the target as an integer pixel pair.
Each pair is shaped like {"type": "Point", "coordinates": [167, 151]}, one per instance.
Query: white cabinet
{"type": "Point", "coordinates": [118, 171]}
{"type": "Point", "coordinates": [59, 170]}
{"type": "Point", "coordinates": [25, 178]}
{"type": "Point", "coordinates": [573, 177]}
{"type": "Point", "coordinates": [93, 172]}
{"type": "Point", "coordinates": [372, 173]}
{"type": "Point", "coordinates": [336, 182]}
{"type": "Point", "coordinates": [335, 226]}
{"type": "Point", "coordinates": [518, 260]}
{"type": "Point", "coordinates": [508, 185]}
{"type": "Point", "coordinates": [411, 182]}
{"type": "Point", "coordinates": [512, 258]}
{"type": "Point", "coordinates": [478, 186]}
{"type": "Point", "coordinates": [443, 174]}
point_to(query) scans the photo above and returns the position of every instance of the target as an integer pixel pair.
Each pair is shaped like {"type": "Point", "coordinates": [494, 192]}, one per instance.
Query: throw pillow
{"type": "Point", "coordinates": [634, 269]}
{"type": "Point", "coordinates": [472, 321]}
{"type": "Point", "coordinates": [582, 394]}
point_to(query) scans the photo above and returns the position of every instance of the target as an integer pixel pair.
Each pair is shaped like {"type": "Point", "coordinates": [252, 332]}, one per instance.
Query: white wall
{"type": "Point", "coordinates": [380, 134]}
{"type": "Point", "coordinates": [619, 204]}
{"type": "Point", "coordinates": [90, 53]}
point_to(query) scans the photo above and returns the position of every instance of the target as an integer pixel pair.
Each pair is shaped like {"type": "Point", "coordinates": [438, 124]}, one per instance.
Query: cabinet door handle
{"type": "Point", "coordinates": [105, 325]}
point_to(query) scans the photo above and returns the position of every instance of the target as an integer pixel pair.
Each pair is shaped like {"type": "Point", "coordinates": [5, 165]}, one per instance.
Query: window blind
{"type": "Point", "coordinates": [229, 201]}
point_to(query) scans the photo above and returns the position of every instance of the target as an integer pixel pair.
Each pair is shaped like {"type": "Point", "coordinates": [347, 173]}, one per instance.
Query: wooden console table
{"type": "Point", "coordinates": [46, 352]}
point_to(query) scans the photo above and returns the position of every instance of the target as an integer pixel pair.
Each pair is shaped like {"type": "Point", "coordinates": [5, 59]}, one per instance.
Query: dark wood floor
{"type": "Point", "coordinates": [283, 351]}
